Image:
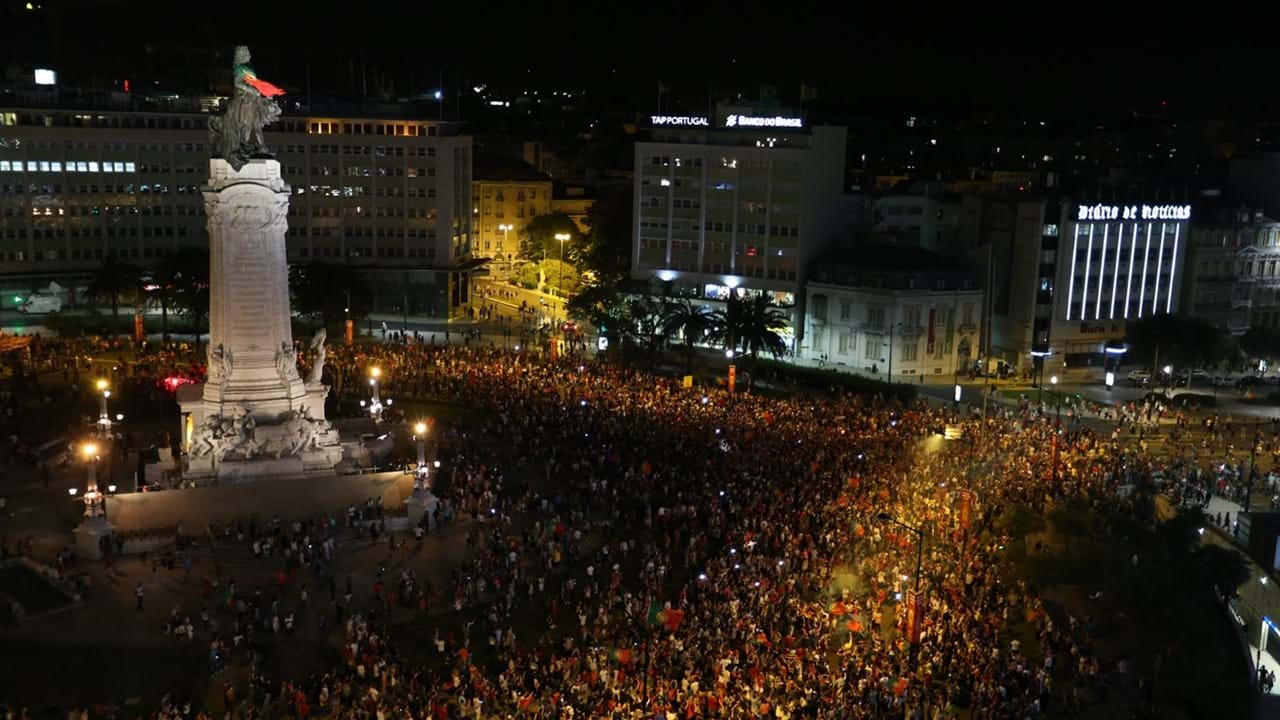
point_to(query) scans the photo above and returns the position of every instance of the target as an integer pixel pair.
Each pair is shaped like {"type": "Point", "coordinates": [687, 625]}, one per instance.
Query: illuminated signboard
{"type": "Point", "coordinates": [1133, 212]}
{"type": "Point", "coordinates": [44, 76]}
{"type": "Point", "coordinates": [751, 121]}
{"type": "Point", "coordinates": [680, 120]}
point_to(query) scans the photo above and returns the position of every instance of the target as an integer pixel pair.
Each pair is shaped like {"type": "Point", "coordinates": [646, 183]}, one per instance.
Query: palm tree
{"type": "Point", "coordinates": [749, 325]}
{"type": "Point", "coordinates": [113, 280]}
{"type": "Point", "coordinates": [189, 268]}
{"type": "Point", "coordinates": [762, 325]}
{"type": "Point", "coordinates": [693, 322]}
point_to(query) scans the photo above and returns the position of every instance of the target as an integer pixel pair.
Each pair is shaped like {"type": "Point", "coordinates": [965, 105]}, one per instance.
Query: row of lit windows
{"type": "Point", "coordinates": [76, 166]}
{"type": "Point", "coordinates": [92, 232]}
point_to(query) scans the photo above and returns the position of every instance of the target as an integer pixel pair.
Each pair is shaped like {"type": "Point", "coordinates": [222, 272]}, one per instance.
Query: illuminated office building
{"type": "Point", "coordinates": [388, 196]}
{"type": "Point", "coordinates": [741, 202]}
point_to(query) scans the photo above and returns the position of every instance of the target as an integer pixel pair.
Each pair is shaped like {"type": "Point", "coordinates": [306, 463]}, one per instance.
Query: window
{"type": "Point", "coordinates": [871, 351]}
{"type": "Point", "coordinates": [844, 346]}
{"type": "Point", "coordinates": [875, 315]}
{"type": "Point", "coordinates": [846, 309]}
{"type": "Point", "coordinates": [909, 347]}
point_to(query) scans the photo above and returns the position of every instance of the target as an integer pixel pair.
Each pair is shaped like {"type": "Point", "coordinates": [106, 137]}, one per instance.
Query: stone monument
{"type": "Point", "coordinates": [256, 417]}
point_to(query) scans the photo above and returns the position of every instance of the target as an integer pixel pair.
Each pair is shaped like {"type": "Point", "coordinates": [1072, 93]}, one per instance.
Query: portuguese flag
{"type": "Point", "coordinates": [661, 615]}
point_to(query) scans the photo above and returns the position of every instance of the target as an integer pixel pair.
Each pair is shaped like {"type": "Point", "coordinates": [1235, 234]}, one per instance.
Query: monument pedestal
{"type": "Point", "coordinates": [420, 504]}
{"type": "Point", "coordinates": [89, 536]}
{"type": "Point", "coordinates": [256, 416]}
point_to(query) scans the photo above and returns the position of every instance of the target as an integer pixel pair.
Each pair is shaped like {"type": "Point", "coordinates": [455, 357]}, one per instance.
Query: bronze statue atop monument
{"type": "Point", "coordinates": [236, 136]}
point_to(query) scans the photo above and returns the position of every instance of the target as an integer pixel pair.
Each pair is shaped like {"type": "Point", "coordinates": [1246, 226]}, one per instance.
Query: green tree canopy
{"type": "Point", "coordinates": [692, 322]}
{"type": "Point", "coordinates": [1261, 342]}
{"type": "Point", "coordinates": [320, 292]}
{"type": "Point", "coordinates": [114, 280]}
{"type": "Point", "coordinates": [538, 237]}
{"type": "Point", "coordinates": [750, 325]}
{"type": "Point", "coordinates": [606, 248]}
{"type": "Point", "coordinates": [189, 268]}
{"type": "Point", "coordinates": [1177, 340]}
{"type": "Point", "coordinates": [181, 283]}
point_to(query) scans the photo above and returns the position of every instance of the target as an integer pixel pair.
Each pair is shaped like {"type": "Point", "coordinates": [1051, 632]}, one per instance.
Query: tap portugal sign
{"type": "Point", "coordinates": [679, 121]}
{"type": "Point", "coordinates": [1133, 212]}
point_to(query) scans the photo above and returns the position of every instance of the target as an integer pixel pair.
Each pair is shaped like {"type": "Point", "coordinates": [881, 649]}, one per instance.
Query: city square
{"type": "Point", "coordinates": [371, 384]}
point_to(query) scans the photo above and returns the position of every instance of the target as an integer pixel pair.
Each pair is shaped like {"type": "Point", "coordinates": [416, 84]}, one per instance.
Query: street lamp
{"type": "Point", "coordinates": [563, 238]}
{"type": "Point", "coordinates": [504, 227]}
{"type": "Point", "coordinates": [1053, 380]}
{"type": "Point", "coordinates": [375, 401]}
{"type": "Point", "coordinates": [420, 472]}
{"type": "Point", "coordinates": [104, 420]}
{"type": "Point", "coordinates": [919, 533]}
{"type": "Point", "coordinates": [92, 498]}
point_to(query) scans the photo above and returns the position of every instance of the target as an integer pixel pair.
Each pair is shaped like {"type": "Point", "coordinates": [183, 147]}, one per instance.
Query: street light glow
{"type": "Point", "coordinates": [375, 371]}
{"type": "Point", "coordinates": [1053, 379]}
{"type": "Point", "coordinates": [102, 384]}
{"type": "Point", "coordinates": [562, 236]}
{"type": "Point", "coordinates": [89, 449]}
{"type": "Point", "coordinates": [420, 428]}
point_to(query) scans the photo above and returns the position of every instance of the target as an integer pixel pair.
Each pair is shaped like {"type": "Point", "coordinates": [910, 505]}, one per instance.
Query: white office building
{"type": "Point", "coordinates": [741, 202]}
{"type": "Point", "coordinates": [390, 196]}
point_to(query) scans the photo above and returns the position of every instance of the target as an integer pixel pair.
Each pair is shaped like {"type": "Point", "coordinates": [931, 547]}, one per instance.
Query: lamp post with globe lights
{"type": "Point", "coordinates": [421, 503]}
{"type": "Point", "coordinates": [375, 399]}
{"type": "Point", "coordinates": [91, 531]}
{"type": "Point", "coordinates": [104, 419]}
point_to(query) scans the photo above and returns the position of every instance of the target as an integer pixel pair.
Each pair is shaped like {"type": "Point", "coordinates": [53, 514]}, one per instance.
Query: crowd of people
{"type": "Point", "coordinates": [636, 548]}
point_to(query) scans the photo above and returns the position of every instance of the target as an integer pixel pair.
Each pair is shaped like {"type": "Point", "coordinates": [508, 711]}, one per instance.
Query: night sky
{"type": "Point", "coordinates": [1045, 57]}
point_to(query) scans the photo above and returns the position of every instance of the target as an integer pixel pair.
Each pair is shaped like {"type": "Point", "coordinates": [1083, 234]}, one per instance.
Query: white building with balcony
{"type": "Point", "coordinates": [904, 311]}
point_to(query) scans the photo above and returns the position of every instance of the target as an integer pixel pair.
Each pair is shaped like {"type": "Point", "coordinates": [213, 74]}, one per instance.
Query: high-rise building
{"type": "Point", "coordinates": [1064, 275]}
{"type": "Point", "coordinates": [741, 202]}
{"type": "Point", "coordinates": [388, 196]}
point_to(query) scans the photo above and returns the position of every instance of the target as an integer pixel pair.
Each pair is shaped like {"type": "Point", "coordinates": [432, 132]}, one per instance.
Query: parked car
{"type": "Point", "coordinates": [1249, 381]}
{"type": "Point", "coordinates": [1140, 377]}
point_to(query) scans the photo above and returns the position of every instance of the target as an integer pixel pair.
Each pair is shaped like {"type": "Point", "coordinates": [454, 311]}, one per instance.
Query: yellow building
{"type": "Point", "coordinates": [505, 199]}
{"type": "Point", "coordinates": [574, 202]}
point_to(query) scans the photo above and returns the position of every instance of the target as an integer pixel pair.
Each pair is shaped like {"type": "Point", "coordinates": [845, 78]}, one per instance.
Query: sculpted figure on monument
{"type": "Point", "coordinates": [208, 437]}
{"type": "Point", "coordinates": [317, 367]}
{"type": "Point", "coordinates": [219, 363]}
{"type": "Point", "coordinates": [286, 362]}
{"type": "Point", "coordinates": [237, 135]}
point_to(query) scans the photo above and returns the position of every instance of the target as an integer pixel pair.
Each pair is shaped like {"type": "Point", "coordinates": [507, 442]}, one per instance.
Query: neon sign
{"type": "Point", "coordinates": [763, 122]}
{"type": "Point", "coordinates": [680, 120]}
{"type": "Point", "coordinates": [1133, 212]}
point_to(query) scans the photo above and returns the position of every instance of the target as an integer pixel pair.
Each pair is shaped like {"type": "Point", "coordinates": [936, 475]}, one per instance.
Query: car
{"type": "Point", "coordinates": [1140, 377]}
{"type": "Point", "coordinates": [1223, 381]}
{"type": "Point", "coordinates": [1249, 381]}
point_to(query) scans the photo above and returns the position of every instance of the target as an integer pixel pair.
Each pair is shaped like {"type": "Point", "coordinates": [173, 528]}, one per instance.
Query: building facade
{"type": "Point", "coordinates": [741, 202]}
{"type": "Point", "coordinates": [922, 315]}
{"type": "Point", "coordinates": [1116, 262]}
{"type": "Point", "coordinates": [1233, 271]}
{"type": "Point", "coordinates": [390, 197]}
{"type": "Point", "coordinates": [505, 199]}
{"type": "Point", "coordinates": [1063, 276]}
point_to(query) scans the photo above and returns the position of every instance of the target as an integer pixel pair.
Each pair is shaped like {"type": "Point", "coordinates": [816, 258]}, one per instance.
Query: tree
{"type": "Point", "coordinates": [322, 290]}
{"type": "Point", "coordinates": [178, 273]}
{"type": "Point", "coordinates": [1172, 339]}
{"type": "Point", "coordinates": [113, 280]}
{"type": "Point", "coordinates": [606, 248]}
{"type": "Point", "coordinates": [538, 237]}
{"type": "Point", "coordinates": [602, 306]}
{"type": "Point", "coordinates": [189, 268]}
{"type": "Point", "coordinates": [1020, 521]}
{"type": "Point", "coordinates": [1261, 342]}
{"type": "Point", "coordinates": [693, 322]}
{"type": "Point", "coordinates": [749, 325]}
{"type": "Point", "coordinates": [645, 315]}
